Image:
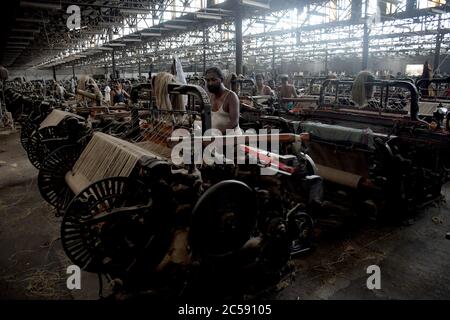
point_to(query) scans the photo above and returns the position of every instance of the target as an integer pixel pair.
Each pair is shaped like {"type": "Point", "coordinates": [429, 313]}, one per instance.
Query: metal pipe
{"type": "Point", "coordinates": [414, 109]}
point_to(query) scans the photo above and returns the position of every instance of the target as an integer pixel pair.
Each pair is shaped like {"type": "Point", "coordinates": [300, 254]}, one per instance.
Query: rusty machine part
{"type": "Point", "coordinates": [57, 129]}
{"type": "Point", "coordinates": [434, 89]}
{"type": "Point", "coordinates": [32, 121]}
{"type": "Point", "coordinates": [223, 219]}
{"type": "Point", "coordinates": [51, 178]}
{"type": "Point", "coordinates": [388, 152]}
{"type": "Point", "coordinates": [434, 97]}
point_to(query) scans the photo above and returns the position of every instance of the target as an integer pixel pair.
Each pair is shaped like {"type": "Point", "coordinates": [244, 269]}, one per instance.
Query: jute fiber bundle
{"type": "Point", "coordinates": [55, 117]}
{"type": "Point", "coordinates": [163, 101]}
{"type": "Point", "coordinates": [159, 149]}
{"type": "Point", "coordinates": [105, 156]}
{"type": "Point", "coordinates": [83, 84]}
{"type": "Point", "coordinates": [361, 90]}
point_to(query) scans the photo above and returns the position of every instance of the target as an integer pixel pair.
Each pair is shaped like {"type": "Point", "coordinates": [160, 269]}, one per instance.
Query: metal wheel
{"type": "Point", "coordinates": [30, 124]}
{"type": "Point", "coordinates": [51, 179]}
{"type": "Point", "coordinates": [25, 133]}
{"type": "Point", "coordinates": [42, 142]}
{"type": "Point", "coordinates": [98, 239]}
{"type": "Point", "coordinates": [223, 219]}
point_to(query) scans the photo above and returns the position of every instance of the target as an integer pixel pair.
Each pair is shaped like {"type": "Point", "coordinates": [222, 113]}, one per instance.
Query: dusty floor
{"type": "Point", "coordinates": [414, 257]}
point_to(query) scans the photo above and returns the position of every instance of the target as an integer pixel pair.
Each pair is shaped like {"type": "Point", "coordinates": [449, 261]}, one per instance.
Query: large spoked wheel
{"type": "Point", "coordinates": [25, 134]}
{"type": "Point", "coordinates": [42, 142]}
{"type": "Point", "coordinates": [223, 219]}
{"type": "Point", "coordinates": [98, 238]}
{"type": "Point", "coordinates": [30, 124]}
{"type": "Point", "coordinates": [51, 179]}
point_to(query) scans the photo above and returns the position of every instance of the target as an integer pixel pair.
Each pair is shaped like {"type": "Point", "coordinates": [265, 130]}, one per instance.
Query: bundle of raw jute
{"type": "Point", "coordinates": [362, 90]}
{"type": "Point", "coordinates": [106, 156]}
{"type": "Point", "coordinates": [87, 84]}
{"type": "Point", "coordinates": [159, 149]}
{"type": "Point", "coordinates": [156, 134]}
{"type": "Point", "coordinates": [160, 87]}
{"type": "Point", "coordinates": [55, 117]}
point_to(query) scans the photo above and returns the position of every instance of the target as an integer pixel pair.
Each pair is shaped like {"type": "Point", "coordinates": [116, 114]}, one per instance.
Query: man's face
{"type": "Point", "coordinates": [213, 82]}
{"type": "Point", "coordinates": [259, 81]}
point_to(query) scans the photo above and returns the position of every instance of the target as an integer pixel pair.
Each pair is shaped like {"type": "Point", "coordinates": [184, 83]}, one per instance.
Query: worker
{"type": "Point", "coordinates": [108, 95]}
{"type": "Point", "coordinates": [118, 95]}
{"type": "Point", "coordinates": [286, 90]}
{"type": "Point", "coordinates": [58, 90]}
{"type": "Point", "coordinates": [224, 102]}
{"type": "Point", "coordinates": [427, 74]}
{"type": "Point", "coordinates": [261, 88]}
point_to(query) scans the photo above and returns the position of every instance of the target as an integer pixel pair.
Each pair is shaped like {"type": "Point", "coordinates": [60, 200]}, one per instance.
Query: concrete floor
{"type": "Point", "coordinates": [414, 257]}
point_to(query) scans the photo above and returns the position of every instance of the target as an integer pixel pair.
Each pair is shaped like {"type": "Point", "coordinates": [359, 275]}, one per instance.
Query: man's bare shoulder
{"type": "Point", "coordinates": [232, 95]}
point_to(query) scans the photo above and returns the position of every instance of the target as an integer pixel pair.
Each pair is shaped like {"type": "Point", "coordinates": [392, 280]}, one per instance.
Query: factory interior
{"type": "Point", "coordinates": [251, 150]}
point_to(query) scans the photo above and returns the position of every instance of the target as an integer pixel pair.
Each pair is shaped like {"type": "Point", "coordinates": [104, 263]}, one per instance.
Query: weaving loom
{"type": "Point", "coordinates": [394, 152]}
{"type": "Point", "coordinates": [171, 113]}
{"type": "Point", "coordinates": [131, 213]}
{"type": "Point", "coordinates": [105, 156]}
{"type": "Point", "coordinates": [57, 129]}
{"type": "Point", "coordinates": [134, 215]}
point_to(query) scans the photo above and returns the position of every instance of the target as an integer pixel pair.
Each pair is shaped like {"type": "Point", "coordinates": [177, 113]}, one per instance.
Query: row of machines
{"type": "Point", "coordinates": [155, 222]}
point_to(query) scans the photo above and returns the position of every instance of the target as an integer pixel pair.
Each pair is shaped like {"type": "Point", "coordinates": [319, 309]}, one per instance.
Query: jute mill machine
{"type": "Point", "coordinates": [50, 125]}
{"type": "Point", "coordinates": [146, 223]}
{"type": "Point", "coordinates": [390, 152]}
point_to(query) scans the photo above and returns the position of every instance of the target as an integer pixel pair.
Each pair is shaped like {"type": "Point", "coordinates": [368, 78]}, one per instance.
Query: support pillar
{"type": "Point", "coordinates": [238, 40]}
